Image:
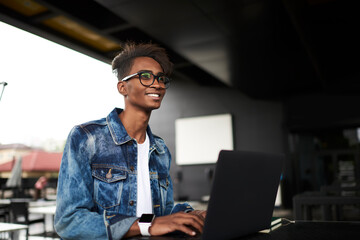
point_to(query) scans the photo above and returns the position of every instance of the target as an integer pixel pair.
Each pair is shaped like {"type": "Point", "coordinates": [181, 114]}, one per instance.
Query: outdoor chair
{"type": "Point", "coordinates": [4, 212]}
{"type": "Point", "coordinates": [19, 213]}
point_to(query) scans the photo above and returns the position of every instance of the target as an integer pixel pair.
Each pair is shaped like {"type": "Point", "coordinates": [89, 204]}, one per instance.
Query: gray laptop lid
{"type": "Point", "coordinates": [243, 194]}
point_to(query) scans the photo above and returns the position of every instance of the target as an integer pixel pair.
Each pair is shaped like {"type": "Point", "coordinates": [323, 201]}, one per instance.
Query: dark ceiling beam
{"type": "Point", "coordinates": [117, 28]}
{"type": "Point", "coordinates": [56, 10]}
{"type": "Point", "coordinates": [37, 19]}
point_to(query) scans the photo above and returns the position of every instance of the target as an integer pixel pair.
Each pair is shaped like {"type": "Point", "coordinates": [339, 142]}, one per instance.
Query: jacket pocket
{"type": "Point", "coordinates": [108, 185]}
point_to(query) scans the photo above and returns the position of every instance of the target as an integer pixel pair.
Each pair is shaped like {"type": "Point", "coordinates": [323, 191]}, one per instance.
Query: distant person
{"type": "Point", "coordinates": [39, 186]}
{"type": "Point", "coordinates": [114, 170]}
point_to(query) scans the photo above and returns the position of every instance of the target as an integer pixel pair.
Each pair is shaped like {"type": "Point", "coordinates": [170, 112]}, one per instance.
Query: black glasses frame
{"type": "Point", "coordinates": [166, 82]}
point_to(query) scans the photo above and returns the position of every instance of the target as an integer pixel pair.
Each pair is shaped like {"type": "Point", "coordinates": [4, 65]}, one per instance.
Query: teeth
{"type": "Point", "coordinates": [153, 95]}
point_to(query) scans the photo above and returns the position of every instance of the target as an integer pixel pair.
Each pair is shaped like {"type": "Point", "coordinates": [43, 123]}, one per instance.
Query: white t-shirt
{"type": "Point", "coordinates": [144, 200]}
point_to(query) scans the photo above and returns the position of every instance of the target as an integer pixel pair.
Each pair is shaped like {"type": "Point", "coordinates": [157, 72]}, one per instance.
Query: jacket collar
{"type": "Point", "coordinates": [119, 133]}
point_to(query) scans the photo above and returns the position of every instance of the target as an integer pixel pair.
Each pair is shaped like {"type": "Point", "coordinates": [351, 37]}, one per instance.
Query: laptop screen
{"type": "Point", "coordinates": [243, 194]}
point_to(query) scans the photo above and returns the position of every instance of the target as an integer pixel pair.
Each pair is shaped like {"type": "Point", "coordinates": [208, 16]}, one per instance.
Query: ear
{"type": "Point", "coordinates": [121, 86]}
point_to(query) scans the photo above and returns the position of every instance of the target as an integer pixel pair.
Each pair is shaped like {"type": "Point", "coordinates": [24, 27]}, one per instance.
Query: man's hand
{"type": "Point", "coordinates": [180, 221]}
{"type": "Point", "coordinates": [201, 213]}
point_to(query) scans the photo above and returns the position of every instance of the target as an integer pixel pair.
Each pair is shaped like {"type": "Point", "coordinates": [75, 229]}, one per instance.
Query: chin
{"type": "Point", "coordinates": [150, 108]}
{"type": "Point", "coordinates": [157, 107]}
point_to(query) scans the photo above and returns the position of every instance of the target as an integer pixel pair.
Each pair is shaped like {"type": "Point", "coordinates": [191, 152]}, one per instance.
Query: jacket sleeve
{"type": "Point", "coordinates": [76, 216]}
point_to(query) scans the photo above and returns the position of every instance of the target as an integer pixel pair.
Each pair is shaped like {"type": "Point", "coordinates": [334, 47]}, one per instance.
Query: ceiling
{"type": "Point", "coordinates": [267, 49]}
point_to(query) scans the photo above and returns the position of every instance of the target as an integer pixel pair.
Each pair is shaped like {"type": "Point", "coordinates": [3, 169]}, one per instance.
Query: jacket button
{"type": "Point", "coordinates": [129, 143]}
{"type": "Point", "coordinates": [109, 175]}
{"type": "Point", "coordinates": [131, 203]}
{"type": "Point", "coordinates": [132, 168]}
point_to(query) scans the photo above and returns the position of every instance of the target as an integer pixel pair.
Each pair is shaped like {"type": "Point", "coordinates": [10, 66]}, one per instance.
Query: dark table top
{"type": "Point", "coordinates": [301, 230]}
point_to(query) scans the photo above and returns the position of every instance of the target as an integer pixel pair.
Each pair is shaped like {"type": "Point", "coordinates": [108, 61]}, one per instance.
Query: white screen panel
{"type": "Point", "coordinates": [200, 139]}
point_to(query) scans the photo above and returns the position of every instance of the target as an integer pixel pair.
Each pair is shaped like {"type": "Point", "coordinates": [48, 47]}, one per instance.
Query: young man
{"type": "Point", "coordinates": [114, 170]}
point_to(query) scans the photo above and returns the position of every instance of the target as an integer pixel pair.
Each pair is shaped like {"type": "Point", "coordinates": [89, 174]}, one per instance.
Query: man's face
{"type": "Point", "coordinates": [139, 96]}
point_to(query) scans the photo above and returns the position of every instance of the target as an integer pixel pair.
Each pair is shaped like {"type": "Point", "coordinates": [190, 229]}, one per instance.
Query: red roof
{"type": "Point", "coordinates": [36, 161]}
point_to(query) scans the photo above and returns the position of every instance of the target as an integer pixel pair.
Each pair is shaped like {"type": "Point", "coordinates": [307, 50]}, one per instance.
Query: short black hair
{"type": "Point", "coordinates": [123, 62]}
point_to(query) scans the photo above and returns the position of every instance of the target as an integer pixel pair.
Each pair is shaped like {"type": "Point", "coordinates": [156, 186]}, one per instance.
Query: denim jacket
{"type": "Point", "coordinates": [97, 185]}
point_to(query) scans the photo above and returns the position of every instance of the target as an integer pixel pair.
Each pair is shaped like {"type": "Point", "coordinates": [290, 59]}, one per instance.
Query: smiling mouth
{"type": "Point", "coordinates": [153, 95]}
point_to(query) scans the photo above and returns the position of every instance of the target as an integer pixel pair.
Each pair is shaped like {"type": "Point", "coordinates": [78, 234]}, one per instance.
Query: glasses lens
{"type": "Point", "coordinates": [146, 76]}
{"type": "Point", "coordinates": [147, 79]}
{"type": "Point", "coordinates": [162, 79]}
{"type": "Point", "coordinates": [165, 80]}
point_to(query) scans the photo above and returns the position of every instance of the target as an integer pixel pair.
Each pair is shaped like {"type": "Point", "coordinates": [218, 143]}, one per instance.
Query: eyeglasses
{"type": "Point", "coordinates": [147, 79]}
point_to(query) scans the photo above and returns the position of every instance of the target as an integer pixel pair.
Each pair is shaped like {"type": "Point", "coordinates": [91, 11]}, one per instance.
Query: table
{"type": "Point", "coordinates": [30, 201]}
{"type": "Point", "coordinates": [11, 227]}
{"type": "Point", "coordinates": [5, 201]}
{"type": "Point", "coordinates": [311, 230]}
{"type": "Point", "coordinates": [45, 210]}
{"type": "Point", "coordinates": [42, 203]}
{"type": "Point", "coordinates": [299, 230]}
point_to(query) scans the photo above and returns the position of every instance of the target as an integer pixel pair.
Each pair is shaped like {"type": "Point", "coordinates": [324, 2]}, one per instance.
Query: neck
{"type": "Point", "coordinates": [135, 123]}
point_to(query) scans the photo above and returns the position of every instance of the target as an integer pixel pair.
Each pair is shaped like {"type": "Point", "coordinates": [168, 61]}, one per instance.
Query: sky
{"type": "Point", "coordinates": [50, 89]}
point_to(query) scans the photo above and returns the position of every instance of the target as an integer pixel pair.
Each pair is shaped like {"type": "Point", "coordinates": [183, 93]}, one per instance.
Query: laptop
{"type": "Point", "coordinates": [243, 194]}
